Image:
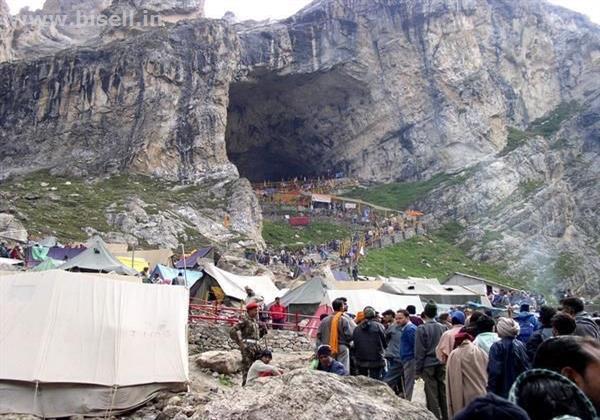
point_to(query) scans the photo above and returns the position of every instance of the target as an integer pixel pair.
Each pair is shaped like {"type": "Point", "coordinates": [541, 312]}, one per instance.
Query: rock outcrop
{"type": "Point", "coordinates": [401, 90]}
{"type": "Point", "coordinates": [534, 206]}
{"type": "Point", "coordinates": [12, 229]}
{"type": "Point", "coordinates": [6, 32]}
{"type": "Point", "coordinates": [154, 105]}
{"type": "Point", "coordinates": [226, 362]}
{"type": "Point", "coordinates": [306, 394]}
{"type": "Point", "coordinates": [62, 24]}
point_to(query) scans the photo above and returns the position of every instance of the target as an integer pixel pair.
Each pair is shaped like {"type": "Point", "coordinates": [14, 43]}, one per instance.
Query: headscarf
{"type": "Point", "coordinates": [533, 374]}
{"type": "Point", "coordinates": [462, 336]}
{"type": "Point", "coordinates": [507, 327]}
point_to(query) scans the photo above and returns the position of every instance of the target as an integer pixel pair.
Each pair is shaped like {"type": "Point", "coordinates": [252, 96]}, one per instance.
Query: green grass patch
{"type": "Point", "coordinates": [549, 124]}
{"type": "Point", "coordinates": [567, 265]}
{"type": "Point", "coordinates": [282, 235]}
{"type": "Point", "coordinates": [491, 236]}
{"type": "Point", "coordinates": [514, 139]}
{"type": "Point", "coordinates": [561, 143]}
{"type": "Point", "coordinates": [66, 205]}
{"type": "Point", "coordinates": [399, 195]}
{"type": "Point", "coordinates": [450, 232]}
{"type": "Point", "coordinates": [529, 187]}
{"type": "Point", "coordinates": [428, 256]}
{"type": "Point", "coordinates": [546, 126]}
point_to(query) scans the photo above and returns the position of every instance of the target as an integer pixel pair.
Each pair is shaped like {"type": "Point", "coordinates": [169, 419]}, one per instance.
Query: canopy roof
{"type": "Point", "coordinates": [168, 273]}
{"type": "Point", "coordinates": [10, 261]}
{"type": "Point", "coordinates": [425, 289]}
{"type": "Point", "coordinates": [56, 327]}
{"type": "Point", "coordinates": [138, 265]}
{"type": "Point", "coordinates": [463, 279]}
{"type": "Point", "coordinates": [64, 253]}
{"type": "Point", "coordinates": [321, 198]}
{"type": "Point", "coordinates": [310, 292]}
{"type": "Point", "coordinates": [47, 264]}
{"type": "Point", "coordinates": [96, 258]}
{"type": "Point", "coordinates": [381, 301]}
{"type": "Point", "coordinates": [234, 285]}
{"type": "Point", "coordinates": [152, 256]}
{"type": "Point", "coordinates": [192, 260]}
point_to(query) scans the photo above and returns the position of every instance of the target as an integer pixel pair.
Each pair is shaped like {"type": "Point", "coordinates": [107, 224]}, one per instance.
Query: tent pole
{"type": "Point", "coordinates": [184, 265]}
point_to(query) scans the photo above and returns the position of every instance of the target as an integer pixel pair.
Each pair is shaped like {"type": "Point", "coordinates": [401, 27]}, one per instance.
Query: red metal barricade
{"type": "Point", "coordinates": [299, 221]}
{"type": "Point", "coordinates": [213, 312]}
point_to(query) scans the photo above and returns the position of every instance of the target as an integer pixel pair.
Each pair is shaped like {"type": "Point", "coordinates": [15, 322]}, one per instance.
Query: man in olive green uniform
{"type": "Point", "coordinates": [246, 334]}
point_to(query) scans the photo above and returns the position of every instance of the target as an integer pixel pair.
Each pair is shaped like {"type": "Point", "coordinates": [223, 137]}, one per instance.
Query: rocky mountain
{"type": "Point", "coordinates": [384, 90]}
{"type": "Point", "coordinates": [6, 32]}
{"type": "Point", "coordinates": [62, 24]}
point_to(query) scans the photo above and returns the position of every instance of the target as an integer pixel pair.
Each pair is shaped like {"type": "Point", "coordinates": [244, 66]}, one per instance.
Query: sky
{"type": "Point", "coordinates": [276, 9]}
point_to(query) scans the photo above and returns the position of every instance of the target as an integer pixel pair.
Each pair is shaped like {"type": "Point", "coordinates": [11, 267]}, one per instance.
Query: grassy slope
{"type": "Point", "coordinates": [426, 256]}
{"type": "Point", "coordinates": [81, 204]}
{"type": "Point", "coordinates": [545, 126]}
{"type": "Point", "coordinates": [398, 195]}
{"type": "Point", "coordinates": [281, 234]}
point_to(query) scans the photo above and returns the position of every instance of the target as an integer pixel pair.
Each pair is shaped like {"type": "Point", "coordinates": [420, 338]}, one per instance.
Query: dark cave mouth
{"type": "Point", "coordinates": [283, 127]}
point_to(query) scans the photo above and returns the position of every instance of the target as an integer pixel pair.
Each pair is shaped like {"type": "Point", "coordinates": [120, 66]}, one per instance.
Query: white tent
{"type": "Point", "coordinates": [97, 258]}
{"type": "Point", "coordinates": [86, 346]}
{"type": "Point", "coordinates": [381, 301]}
{"type": "Point", "coordinates": [10, 261]}
{"type": "Point", "coordinates": [234, 285]}
{"type": "Point", "coordinates": [450, 295]}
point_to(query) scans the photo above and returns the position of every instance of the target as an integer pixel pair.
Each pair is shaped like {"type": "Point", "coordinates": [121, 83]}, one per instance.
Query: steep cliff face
{"type": "Point", "coordinates": [63, 24]}
{"type": "Point", "coordinates": [390, 90]}
{"type": "Point", "coordinates": [535, 207]}
{"type": "Point", "coordinates": [154, 105]}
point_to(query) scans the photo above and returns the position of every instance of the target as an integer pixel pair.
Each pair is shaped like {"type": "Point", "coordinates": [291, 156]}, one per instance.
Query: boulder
{"type": "Point", "coordinates": [11, 228]}
{"type": "Point", "coordinates": [227, 362]}
{"type": "Point", "coordinates": [308, 394]}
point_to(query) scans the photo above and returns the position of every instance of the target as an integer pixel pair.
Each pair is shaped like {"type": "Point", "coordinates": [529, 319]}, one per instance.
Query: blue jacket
{"type": "Point", "coordinates": [335, 367]}
{"type": "Point", "coordinates": [507, 360]}
{"type": "Point", "coordinates": [407, 342]}
{"type": "Point", "coordinates": [528, 324]}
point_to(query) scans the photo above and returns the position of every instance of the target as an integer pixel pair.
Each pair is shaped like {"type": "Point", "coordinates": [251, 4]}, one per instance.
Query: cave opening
{"type": "Point", "coordinates": [282, 127]}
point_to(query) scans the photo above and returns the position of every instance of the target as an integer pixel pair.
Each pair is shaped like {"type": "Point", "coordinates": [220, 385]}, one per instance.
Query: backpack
{"type": "Point", "coordinates": [526, 330]}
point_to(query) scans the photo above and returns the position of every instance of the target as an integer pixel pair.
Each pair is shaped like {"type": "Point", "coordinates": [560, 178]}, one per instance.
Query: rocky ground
{"type": "Point", "coordinates": [215, 390]}
{"type": "Point", "coordinates": [299, 394]}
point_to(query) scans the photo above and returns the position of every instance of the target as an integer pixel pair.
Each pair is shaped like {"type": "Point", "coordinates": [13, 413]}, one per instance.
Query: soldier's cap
{"type": "Point", "coordinates": [251, 305]}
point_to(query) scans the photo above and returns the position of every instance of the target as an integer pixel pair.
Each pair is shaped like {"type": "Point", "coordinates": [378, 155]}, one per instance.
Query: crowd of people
{"type": "Point", "coordinates": [15, 252]}
{"type": "Point", "coordinates": [506, 298]}
{"type": "Point", "coordinates": [472, 363]}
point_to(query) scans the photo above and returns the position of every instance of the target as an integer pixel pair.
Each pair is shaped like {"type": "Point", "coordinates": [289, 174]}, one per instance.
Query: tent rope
{"type": "Point", "coordinates": [35, 394]}
{"type": "Point", "coordinates": [112, 402]}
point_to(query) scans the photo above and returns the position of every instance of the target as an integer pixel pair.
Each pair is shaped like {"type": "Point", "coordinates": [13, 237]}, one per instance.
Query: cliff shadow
{"type": "Point", "coordinates": [280, 127]}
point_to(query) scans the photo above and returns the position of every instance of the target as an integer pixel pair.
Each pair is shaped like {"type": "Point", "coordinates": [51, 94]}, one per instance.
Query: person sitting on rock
{"type": "Point", "coordinates": [327, 363]}
{"type": "Point", "coordinates": [261, 368]}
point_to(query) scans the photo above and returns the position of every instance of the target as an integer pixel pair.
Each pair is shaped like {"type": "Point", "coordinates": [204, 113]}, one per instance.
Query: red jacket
{"type": "Point", "coordinates": [277, 311]}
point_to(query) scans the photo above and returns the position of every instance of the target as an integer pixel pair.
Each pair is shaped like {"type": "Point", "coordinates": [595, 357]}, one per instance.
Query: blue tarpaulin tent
{"type": "Point", "coordinates": [168, 273]}
{"type": "Point", "coordinates": [192, 260]}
